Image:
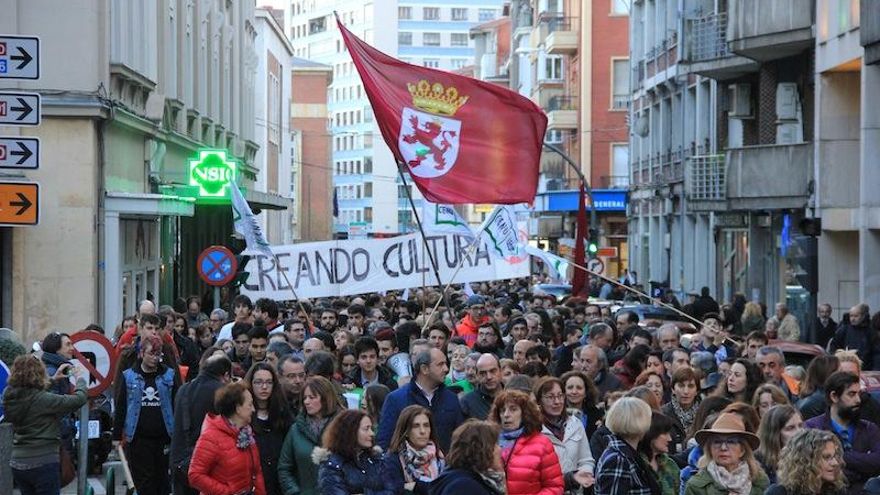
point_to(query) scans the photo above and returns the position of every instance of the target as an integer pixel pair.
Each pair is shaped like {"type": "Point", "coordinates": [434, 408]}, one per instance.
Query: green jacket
{"type": "Point", "coordinates": [702, 483]}
{"type": "Point", "coordinates": [668, 474]}
{"type": "Point", "coordinates": [297, 473]}
{"type": "Point", "coordinates": [36, 418]}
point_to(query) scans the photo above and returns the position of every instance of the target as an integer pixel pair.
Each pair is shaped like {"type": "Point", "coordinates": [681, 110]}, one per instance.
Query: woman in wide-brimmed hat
{"type": "Point", "coordinates": [728, 465]}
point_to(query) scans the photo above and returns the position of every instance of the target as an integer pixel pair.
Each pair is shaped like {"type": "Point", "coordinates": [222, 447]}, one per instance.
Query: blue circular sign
{"type": "Point", "coordinates": [217, 265]}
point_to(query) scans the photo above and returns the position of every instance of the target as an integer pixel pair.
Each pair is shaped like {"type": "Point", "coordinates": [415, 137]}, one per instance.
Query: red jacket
{"type": "Point", "coordinates": [467, 329]}
{"type": "Point", "coordinates": [533, 468]}
{"type": "Point", "coordinates": [218, 467]}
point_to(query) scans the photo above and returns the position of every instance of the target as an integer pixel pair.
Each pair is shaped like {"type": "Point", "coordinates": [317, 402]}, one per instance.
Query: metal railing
{"type": "Point", "coordinates": [557, 23]}
{"type": "Point", "coordinates": [706, 178]}
{"type": "Point", "coordinates": [561, 103]}
{"type": "Point", "coordinates": [708, 37]}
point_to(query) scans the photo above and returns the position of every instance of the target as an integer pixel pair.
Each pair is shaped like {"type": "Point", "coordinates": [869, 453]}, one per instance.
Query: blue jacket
{"type": "Point", "coordinates": [460, 482]}
{"type": "Point", "coordinates": [444, 406]}
{"type": "Point", "coordinates": [339, 476]}
{"type": "Point", "coordinates": [134, 389]}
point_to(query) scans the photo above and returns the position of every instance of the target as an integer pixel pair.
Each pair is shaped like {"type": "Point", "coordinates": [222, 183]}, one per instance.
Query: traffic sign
{"type": "Point", "coordinates": [217, 266]}
{"type": "Point", "coordinates": [19, 57]}
{"type": "Point", "coordinates": [20, 152]}
{"type": "Point", "coordinates": [607, 252]}
{"type": "Point", "coordinates": [596, 265]}
{"type": "Point", "coordinates": [95, 356]}
{"type": "Point", "coordinates": [17, 108]}
{"type": "Point", "coordinates": [4, 376]}
{"type": "Point", "coordinates": [19, 203]}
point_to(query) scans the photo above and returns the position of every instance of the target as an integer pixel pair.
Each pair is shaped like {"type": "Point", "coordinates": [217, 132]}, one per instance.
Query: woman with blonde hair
{"type": "Point", "coordinates": [811, 464]}
{"type": "Point", "coordinates": [777, 427]}
{"type": "Point", "coordinates": [752, 318]}
{"type": "Point", "coordinates": [728, 464]}
{"type": "Point", "coordinates": [621, 469]}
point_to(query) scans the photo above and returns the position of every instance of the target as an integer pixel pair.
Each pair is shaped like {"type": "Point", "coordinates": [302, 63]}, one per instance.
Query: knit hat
{"type": "Point", "coordinates": [475, 300]}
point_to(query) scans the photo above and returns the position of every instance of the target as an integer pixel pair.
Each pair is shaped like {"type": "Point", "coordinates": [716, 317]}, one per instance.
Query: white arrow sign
{"type": "Point", "coordinates": [20, 152]}
{"type": "Point", "coordinates": [19, 57]}
{"type": "Point", "coordinates": [19, 108]}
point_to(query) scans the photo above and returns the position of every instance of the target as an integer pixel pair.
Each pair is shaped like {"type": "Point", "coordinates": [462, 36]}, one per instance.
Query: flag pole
{"type": "Point", "coordinates": [471, 249]}
{"type": "Point", "coordinates": [434, 265]}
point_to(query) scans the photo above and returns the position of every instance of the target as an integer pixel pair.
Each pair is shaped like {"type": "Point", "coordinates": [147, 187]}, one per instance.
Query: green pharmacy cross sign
{"type": "Point", "coordinates": [213, 173]}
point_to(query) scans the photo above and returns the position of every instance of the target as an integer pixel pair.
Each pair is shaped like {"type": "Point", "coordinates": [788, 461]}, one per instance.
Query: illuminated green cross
{"type": "Point", "coordinates": [213, 173]}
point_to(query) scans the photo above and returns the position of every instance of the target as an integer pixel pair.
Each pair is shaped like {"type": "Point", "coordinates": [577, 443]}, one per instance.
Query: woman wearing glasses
{"type": "Point", "coordinates": [728, 465]}
{"type": "Point", "coordinates": [270, 422]}
{"type": "Point", "coordinates": [812, 464]}
{"type": "Point", "coordinates": [566, 433]}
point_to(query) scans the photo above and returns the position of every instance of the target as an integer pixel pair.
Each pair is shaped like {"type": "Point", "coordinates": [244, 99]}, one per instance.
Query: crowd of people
{"type": "Point", "coordinates": [505, 392]}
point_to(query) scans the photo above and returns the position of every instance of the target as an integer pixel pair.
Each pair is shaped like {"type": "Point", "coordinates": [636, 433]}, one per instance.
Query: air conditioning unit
{"type": "Point", "coordinates": [789, 133]}
{"type": "Point", "coordinates": [787, 101]}
{"type": "Point", "coordinates": [740, 101]}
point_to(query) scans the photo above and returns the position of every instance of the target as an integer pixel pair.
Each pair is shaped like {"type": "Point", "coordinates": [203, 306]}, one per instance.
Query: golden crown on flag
{"type": "Point", "coordinates": [436, 98]}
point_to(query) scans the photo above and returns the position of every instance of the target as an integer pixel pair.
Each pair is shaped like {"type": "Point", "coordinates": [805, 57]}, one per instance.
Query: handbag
{"type": "Point", "coordinates": [68, 471]}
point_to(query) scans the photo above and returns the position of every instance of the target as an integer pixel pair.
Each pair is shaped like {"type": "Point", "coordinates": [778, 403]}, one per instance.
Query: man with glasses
{"type": "Point", "coordinates": [144, 419]}
{"type": "Point", "coordinates": [857, 334]}
{"type": "Point", "coordinates": [217, 320]}
{"type": "Point", "coordinates": [295, 329]}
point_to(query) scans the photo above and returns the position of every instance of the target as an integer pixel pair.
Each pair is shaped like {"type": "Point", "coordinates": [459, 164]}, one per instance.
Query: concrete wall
{"type": "Point", "coordinates": [838, 141]}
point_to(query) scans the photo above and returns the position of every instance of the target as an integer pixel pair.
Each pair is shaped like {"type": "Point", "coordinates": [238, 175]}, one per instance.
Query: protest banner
{"type": "Point", "coordinates": [341, 268]}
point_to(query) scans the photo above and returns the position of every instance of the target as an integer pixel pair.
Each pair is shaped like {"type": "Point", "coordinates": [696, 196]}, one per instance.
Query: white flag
{"type": "Point", "coordinates": [468, 290]}
{"type": "Point", "coordinates": [405, 295]}
{"type": "Point", "coordinates": [437, 218]}
{"type": "Point", "coordinates": [246, 224]}
{"type": "Point", "coordinates": [503, 234]}
{"type": "Point", "coordinates": [557, 265]}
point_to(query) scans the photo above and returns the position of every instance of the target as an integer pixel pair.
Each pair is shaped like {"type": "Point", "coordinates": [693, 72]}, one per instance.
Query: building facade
{"type": "Point", "coordinates": [433, 34]}
{"type": "Point", "coordinates": [126, 104]}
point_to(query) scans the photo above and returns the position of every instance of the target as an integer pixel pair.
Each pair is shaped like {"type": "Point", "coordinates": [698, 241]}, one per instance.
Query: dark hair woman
{"type": "Point", "coordinates": [474, 462]}
{"type": "Point", "coordinates": [812, 390]}
{"type": "Point", "coordinates": [319, 405]}
{"type": "Point", "coordinates": [270, 422]}
{"type": "Point", "coordinates": [413, 459]}
{"type": "Point", "coordinates": [581, 395]}
{"type": "Point", "coordinates": [744, 378]}
{"type": "Point", "coordinates": [373, 400]}
{"type": "Point", "coordinates": [226, 459]}
{"type": "Point", "coordinates": [682, 406]}
{"type": "Point", "coordinates": [777, 427]}
{"type": "Point", "coordinates": [655, 448]}
{"type": "Point", "coordinates": [347, 461]}
{"type": "Point", "coordinates": [530, 462]}
{"type": "Point", "coordinates": [34, 413]}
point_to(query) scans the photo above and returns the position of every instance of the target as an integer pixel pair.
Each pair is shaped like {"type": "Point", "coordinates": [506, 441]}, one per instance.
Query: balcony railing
{"type": "Point", "coordinates": [561, 103]}
{"type": "Point", "coordinates": [620, 102]}
{"type": "Point", "coordinates": [706, 178]}
{"type": "Point", "coordinates": [557, 23]}
{"type": "Point", "coordinates": [708, 37]}
{"type": "Point", "coordinates": [612, 182]}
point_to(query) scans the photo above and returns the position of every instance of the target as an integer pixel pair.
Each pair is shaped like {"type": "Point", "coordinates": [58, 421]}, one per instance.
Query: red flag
{"type": "Point", "coordinates": [462, 140]}
{"type": "Point", "coordinates": [579, 282]}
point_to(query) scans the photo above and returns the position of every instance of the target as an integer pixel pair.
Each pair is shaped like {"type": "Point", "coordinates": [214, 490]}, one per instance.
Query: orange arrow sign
{"type": "Point", "coordinates": [19, 203]}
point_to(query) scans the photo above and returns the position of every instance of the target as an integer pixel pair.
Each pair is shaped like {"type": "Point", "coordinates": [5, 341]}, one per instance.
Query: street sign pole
{"type": "Point", "coordinates": [216, 297]}
{"type": "Point", "coordinates": [82, 473]}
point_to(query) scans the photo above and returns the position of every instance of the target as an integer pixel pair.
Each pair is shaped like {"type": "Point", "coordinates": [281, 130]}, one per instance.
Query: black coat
{"type": "Point", "coordinates": [861, 338]}
{"type": "Point", "coordinates": [460, 482]}
{"type": "Point", "coordinates": [704, 305]}
{"type": "Point", "coordinates": [194, 401]}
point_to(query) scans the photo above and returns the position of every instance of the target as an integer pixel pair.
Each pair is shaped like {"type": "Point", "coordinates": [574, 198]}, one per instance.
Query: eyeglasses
{"type": "Point", "coordinates": [262, 383]}
{"type": "Point", "coordinates": [553, 398]}
{"type": "Point", "coordinates": [725, 442]}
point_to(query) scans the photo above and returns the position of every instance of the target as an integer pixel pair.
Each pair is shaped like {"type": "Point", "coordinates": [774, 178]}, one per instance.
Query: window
{"type": "Point", "coordinates": [458, 63]}
{"type": "Point", "coordinates": [459, 39]}
{"type": "Point", "coordinates": [459, 14]}
{"type": "Point", "coordinates": [317, 25]}
{"type": "Point", "coordinates": [619, 166]}
{"type": "Point", "coordinates": [620, 78]}
{"type": "Point", "coordinates": [404, 38]}
{"type": "Point", "coordinates": [553, 67]}
{"type": "Point", "coordinates": [620, 7]}
{"type": "Point", "coordinates": [432, 63]}
{"type": "Point", "coordinates": [431, 39]}
{"type": "Point", "coordinates": [553, 136]}
{"type": "Point", "coordinates": [487, 14]}
{"type": "Point", "coordinates": [404, 13]}
{"type": "Point", "coordinates": [431, 13]}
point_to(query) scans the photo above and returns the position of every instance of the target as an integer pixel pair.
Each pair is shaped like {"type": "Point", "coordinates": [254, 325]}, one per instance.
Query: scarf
{"type": "Point", "coordinates": [738, 482]}
{"type": "Point", "coordinates": [556, 425]}
{"type": "Point", "coordinates": [458, 375]}
{"type": "Point", "coordinates": [685, 417]}
{"type": "Point", "coordinates": [316, 426]}
{"type": "Point", "coordinates": [244, 436]}
{"type": "Point", "coordinates": [421, 465]}
{"type": "Point", "coordinates": [495, 480]}
{"type": "Point", "coordinates": [509, 437]}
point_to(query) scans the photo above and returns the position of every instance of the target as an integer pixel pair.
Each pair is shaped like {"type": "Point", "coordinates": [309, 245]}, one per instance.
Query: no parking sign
{"type": "Point", "coordinates": [95, 356]}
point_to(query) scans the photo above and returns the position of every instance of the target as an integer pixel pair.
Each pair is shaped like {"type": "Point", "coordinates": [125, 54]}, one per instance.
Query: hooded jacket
{"type": "Point", "coordinates": [218, 467]}
{"type": "Point", "coordinates": [35, 415]}
{"type": "Point", "coordinates": [467, 329]}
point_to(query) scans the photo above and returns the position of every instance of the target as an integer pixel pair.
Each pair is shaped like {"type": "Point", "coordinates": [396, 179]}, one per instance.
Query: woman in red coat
{"type": "Point", "coordinates": [226, 460]}
{"type": "Point", "coordinates": [530, 463]}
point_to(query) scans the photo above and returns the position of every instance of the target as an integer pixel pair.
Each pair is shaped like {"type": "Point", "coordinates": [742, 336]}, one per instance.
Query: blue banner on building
{"type": "Point", "coordinates": [604, 199]}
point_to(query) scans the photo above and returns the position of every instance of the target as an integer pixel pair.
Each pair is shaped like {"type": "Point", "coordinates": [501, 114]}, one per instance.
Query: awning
{"type": "Point", "coordinates": [266, 201]}
{"type": "Point", "coordinates": [149, 204]}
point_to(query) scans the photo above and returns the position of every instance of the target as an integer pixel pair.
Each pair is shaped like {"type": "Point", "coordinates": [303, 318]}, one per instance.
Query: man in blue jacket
{"type": "Point", "coordinates": [427, 390]}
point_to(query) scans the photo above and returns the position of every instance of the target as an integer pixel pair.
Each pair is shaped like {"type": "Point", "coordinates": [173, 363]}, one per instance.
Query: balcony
{"type": "Point", "coordinates": [705, 187]}
{"type": "Point", "coordinates": [707, 52]}
{"type": "Point", "coordinates": [749, 186]}
{"type": "Point", "coordinates": [562, 113]}
{"type": "Point", "coordinates": [561, 38]}
{"type": "Point", "coordinates": [764, 31]}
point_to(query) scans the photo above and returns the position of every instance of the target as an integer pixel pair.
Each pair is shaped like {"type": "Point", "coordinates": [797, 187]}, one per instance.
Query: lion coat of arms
{"type": "Point", "coordinates": [429, 139]}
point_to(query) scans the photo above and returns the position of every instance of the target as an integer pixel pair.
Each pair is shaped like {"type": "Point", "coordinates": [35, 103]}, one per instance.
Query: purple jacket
{"type": "Point", "coordinates": [863, 460]}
